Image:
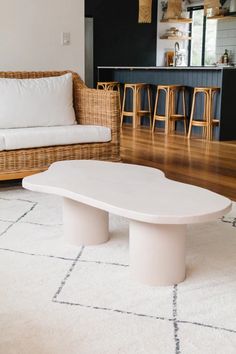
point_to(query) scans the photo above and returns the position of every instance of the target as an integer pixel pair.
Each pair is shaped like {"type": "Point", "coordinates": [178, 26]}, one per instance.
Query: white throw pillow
{"type": "Point", "coordinates": [36, 102]}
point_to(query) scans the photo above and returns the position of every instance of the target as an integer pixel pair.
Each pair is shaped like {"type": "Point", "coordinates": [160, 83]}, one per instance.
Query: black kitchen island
{"type": "Point", "coordinates": [223, 77]}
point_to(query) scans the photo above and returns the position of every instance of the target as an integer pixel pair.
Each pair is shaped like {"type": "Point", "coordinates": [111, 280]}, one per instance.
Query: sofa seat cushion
{"type": "Point", "coordinates": [23, 138]}
{"type": "Point", "coordinates": [2, 143]}
{"type": "Point", "coordinates": [39, 102]}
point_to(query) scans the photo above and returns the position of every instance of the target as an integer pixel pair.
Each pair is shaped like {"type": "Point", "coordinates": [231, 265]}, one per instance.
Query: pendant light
{"type": "Point", "coordinates": [211, 7]}
{"type": "Point", "coordinates": [145, 11]}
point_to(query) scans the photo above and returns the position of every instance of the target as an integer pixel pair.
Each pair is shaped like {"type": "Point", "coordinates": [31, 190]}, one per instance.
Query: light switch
{"type": "Point", "coordinates": [65, 38]}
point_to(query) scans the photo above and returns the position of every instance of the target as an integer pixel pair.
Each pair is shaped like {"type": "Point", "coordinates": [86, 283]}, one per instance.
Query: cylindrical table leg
{"type": "Point", "coordinates": [157, 253]}
{"type": "Point", "coordinates": [83, 224]}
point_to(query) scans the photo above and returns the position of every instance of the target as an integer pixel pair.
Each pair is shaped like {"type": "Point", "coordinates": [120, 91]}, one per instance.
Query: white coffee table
{"type": "Point", "coordinates": [158, 210]}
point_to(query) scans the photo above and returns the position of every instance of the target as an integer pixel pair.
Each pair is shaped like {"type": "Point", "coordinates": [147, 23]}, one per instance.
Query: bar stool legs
{"type": "Point", "coordinates": [213, 121]}
{"type": "Point", "coordinates": [162, 117]}
{"type": "Point", "coordinates": [170, 116]}
{"type": "Point", "coordinates": [174, 116]}
{"type": "Point", "coordinates": [207, 122]}
{"type": "Point", "coordinates": [149, 105]}
{"type": "Point", "coordinates": [137, 111]}
{"type": "Point", "coordinates": [142, 112]}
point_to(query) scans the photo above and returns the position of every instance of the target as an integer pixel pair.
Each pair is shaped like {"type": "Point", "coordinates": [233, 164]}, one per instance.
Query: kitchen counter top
{"type": "Point", "coordinates": [168, 67]}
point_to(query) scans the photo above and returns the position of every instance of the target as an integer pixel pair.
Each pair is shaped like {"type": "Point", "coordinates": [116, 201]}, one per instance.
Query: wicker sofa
{"type": "Point", "coordinates": [92, 107]}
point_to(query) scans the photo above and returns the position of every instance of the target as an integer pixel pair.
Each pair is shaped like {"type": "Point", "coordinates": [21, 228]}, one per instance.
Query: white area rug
{"type": "Point", "coordinates": [61, 299]}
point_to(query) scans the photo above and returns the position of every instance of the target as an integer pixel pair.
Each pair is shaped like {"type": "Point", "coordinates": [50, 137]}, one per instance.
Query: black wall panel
{"type": "Point", "coordinates": [119, 40]}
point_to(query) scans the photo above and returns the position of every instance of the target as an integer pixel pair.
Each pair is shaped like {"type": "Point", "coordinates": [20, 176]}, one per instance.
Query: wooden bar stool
{"type": "Point", "coordinates": [207, 121]}
{"type": "Point", "coordinates": [170, 116]}
{"type": "Point", "coordinates": [137, 112]}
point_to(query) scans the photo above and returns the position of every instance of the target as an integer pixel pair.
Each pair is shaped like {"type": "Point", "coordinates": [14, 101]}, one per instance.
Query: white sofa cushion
{"type": "Point", "coordinates": [36, 102]}
{"type": "Point", "coordinates": [23, 138]}
{"type": "Point", "coordinates": [2, 143]}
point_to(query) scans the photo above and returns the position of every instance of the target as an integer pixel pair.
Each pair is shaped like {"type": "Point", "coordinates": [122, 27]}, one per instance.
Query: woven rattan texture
{"type": "Point", "coordinates": [96, 107]}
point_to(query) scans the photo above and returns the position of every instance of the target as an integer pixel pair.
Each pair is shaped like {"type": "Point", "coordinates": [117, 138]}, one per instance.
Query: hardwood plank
{"type": "Point", "coordinates": [208, 164]}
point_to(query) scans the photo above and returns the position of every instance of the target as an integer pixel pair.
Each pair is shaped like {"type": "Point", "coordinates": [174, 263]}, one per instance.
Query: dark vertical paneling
{"type": "Point", "coordinates": [119, 40]}
{"type": "Point", "coordinates": [228, 116]}
{"type": "Point", "coordinates": [224, 78]}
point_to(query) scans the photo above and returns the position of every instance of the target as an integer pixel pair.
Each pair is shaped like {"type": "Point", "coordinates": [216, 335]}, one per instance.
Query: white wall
{"type": "Point", "coordinates": [164, 45]}
{"type": "Point", "coordinates": [30, 35]}
{"type": "Point", "coordinates": [226, 39]}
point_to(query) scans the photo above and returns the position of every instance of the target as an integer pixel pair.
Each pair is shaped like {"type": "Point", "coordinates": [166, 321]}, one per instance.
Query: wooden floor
{"type": "Point", "coordinates": [209, 165]}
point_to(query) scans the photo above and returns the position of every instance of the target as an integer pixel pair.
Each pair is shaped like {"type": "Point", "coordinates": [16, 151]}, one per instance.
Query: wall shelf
{"type": "Point", "coordinates": [221, 17]}
{"type": "Point", "coordinates": [177, 20]}
{"type": "Point", "coordinates": [176, 38]}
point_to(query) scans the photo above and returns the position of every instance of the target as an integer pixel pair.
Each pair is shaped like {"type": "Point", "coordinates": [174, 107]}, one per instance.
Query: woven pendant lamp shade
{"type": "Point", "coordinates": [211, 4]}
{"type": "Point", "coordinates": [145, 11]}
{"type": "Point", "coordinates": [174, 9]}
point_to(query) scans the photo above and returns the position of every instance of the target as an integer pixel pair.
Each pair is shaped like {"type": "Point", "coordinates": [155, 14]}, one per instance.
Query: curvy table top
{"type": "Point", "coordinates": [135, 192]}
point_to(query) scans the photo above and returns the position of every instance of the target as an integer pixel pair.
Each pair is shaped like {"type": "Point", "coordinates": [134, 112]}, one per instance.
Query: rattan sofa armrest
{"type": "Point", "coordinates": [98, 107]}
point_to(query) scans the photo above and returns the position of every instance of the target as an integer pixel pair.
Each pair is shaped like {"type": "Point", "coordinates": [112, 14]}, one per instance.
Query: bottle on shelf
{"type": "Point", "coordinates": [226, 57]}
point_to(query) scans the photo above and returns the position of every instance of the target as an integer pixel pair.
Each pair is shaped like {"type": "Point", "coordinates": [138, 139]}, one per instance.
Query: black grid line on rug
{"type": "Point", "coordinates": [207, 326]}
{"type": "Point", "coordinates": [19, 199]}
{"type": "Point", "coordinates": [229, 220]}
{"type": "Point", "coordinates": [39, 224]}
{"type": "Point", "coordinates": [61, 258]}
{"type": "Point", "coordinates": [36, 254]}
{"type": "Point", "coordinates": [68, 274]}
{"type": "Point", "coordinates": [74, 261]}
{"type": "Point", "coordinates": [22, 200]}
{"type": "Point", "coordinates": [102, 262]}
{"type": "Point", "coordinates": [32, 223]}
{"type": "Point", "coordinates": [16, 221]}
{"type": "Point", "coordinates": [175, 323]}
{"type": "Point", "coordinates": [62, 302]}
{"type": "Point", "coordinates": [174, 319]}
